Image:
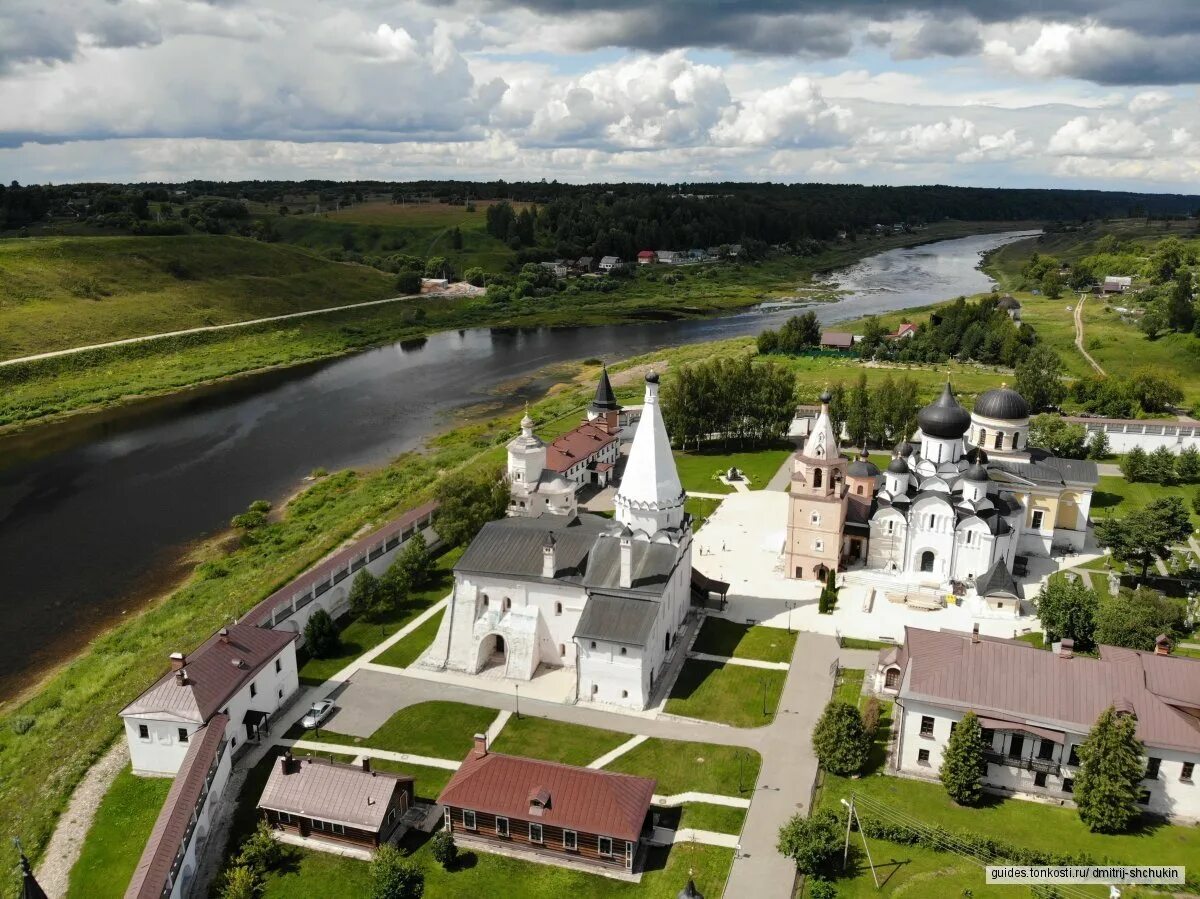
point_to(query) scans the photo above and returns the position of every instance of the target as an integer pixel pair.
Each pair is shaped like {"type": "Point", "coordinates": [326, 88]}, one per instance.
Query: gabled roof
{"type": "Point", "coordinates": [154, 867]}
{"type": "Point", "coordinates": [997, 582]}
{"type": "Point", "coordinates": [1044, 468]}
{"type": "Point", "coordinates": [342, 794]}
{"type": "Point", "coordinates": [225, 663]}
{"type": "Point", "coordinates": [652, 565]}
{"type": "Point", "coordinates": [576, 445]}
{"type": "Point", "coordinates": [1009, 678]}
{"type": "Point", "coordinates": [580, 799]}
{"type": "Point", "coordinates": [839, 339]}
{"type": "Point", "coordinates": [513, 546]}
{"type": "Point", "coordinates": [618, 619]}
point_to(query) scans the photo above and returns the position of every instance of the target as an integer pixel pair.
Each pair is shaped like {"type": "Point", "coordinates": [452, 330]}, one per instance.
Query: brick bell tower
{"type": "Point", "coordinates": [817, 503]}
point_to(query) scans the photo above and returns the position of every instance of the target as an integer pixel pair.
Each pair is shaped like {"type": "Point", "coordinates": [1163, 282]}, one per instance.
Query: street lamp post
{"type": "Point", "coordinates": [517, 690]}
{"type": "Point", "coordinates": [764, 686]}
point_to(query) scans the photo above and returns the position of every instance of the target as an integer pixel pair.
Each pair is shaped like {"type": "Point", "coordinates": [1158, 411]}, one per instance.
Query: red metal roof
{"type": "Point", "coordinates": [154, 867]}
{"type": "Point", "coordinates": [580, 799]}
{"type": "Point", "coordinates": [577, 445]}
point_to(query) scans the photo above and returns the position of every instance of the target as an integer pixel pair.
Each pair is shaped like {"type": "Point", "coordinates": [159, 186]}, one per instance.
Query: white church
{"type": "Point", "coordinates": [557, 587]}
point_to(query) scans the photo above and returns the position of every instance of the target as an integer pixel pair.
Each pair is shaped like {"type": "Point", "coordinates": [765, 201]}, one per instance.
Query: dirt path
{"type": "Point", "coordinates": [1079, 335]}
{"type": "Point", "coordinates": [67, 841]}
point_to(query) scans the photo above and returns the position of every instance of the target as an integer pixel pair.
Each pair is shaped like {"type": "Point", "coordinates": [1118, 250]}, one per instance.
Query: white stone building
{"type": "Point", "coordinates": [1036, 707]}
{"type": "Point", "coordinates": [607, 598]}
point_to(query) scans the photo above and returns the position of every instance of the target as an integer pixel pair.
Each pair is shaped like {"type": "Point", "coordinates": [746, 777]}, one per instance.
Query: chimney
{"type": "Point", "coordinates": [1066, 648]}
{"type": "Point", "coordinates": [480, 746]}
{"type": "Point", "coordinates": [626, 558]}
{"type": "Point", "coordinates": [1162, 645]}
{"type": "Point", "coordinates": [224, 634]}
{"type": "Point", "coordinates": [285, 763]}
{"type": "Point", "coordinates": [975, 633]}
{"type": "Point", "coordinates": [366, 763]}
{"type": "Point", "coordinates": [178, 660]}
{"type": "Point", "coordinates": [549, 562]}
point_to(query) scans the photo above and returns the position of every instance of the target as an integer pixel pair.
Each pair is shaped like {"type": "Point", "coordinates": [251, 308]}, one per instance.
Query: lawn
{"type": "Point", "coordinates": [63, 292]}
{"type": "Point", "coordinates": [359, 635]}
{"type": "Point", "coordinates": [700, 508]}
{"type": "Point", "coordinates": [117, 836]}
{"type": "Point", "coordinates": [717, 818]}
{"type": "Point", "coordinates": [849, 688]}
{"type": "Point", "coordinates": [556, 741]}
{"type": "Point", "coordinates": [1115, 496]}
{"type": "Point", "coordinates": [430, 781]}
{"type": "Point", "coordinates": [698, 468]}
{"type": "Point", "coordinates": [308, 874]}
{"type": "Point", "coordinates": [439, 729]}
{"type": "Point", "coordinates": [857, 643]}
{"type": "Point", "coordinates": [680, 767]}
{"type": "Point", "coordinates": [1036, 639]}
{"type": "Point", "coordinates": [721, 637]}
{"type": "Point", "coordinates": [728, 693]}
{"type": "Point", "coordinates": [408, 649]}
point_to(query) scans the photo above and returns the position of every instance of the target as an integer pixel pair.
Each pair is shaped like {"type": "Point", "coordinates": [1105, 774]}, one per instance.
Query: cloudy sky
{"type": "Point", "coordinates": [1040, 93]}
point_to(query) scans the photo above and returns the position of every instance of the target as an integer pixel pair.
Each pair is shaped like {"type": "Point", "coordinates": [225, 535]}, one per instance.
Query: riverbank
{"type": "Point", "coordinates": [48, 391]}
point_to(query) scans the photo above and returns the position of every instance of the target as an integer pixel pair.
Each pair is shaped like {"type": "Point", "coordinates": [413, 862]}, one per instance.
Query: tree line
{"type": "Point", "coordinates": [728, 399]}
{"type": "Point", "coordinates": [876, 415]}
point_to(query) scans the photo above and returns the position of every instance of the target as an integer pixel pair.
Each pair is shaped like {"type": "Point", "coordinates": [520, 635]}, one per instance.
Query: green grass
{"type": "Point", "coordinates": [358, 636]}
{"type": "Point", "coordinates": [439, 729]}
{"type": "Point", "coordinates": [857, 643]}
{"type": "Point", "coordinates": [118, 834]}
{"type": "Point", "coordinates": [681, 766]}
{"type": "Point", "coordinates": [698, 469]}
{"type": "Point", "coordinates": [1115, 496]}
{"type": "Point", "coordinates": [849, 688]}
{"type": "Point", "coordinates": [407, 650]}
{"type": "Point", "coordinates": [309, 874]}
{"type": "Point", "coordinates": [430, 781]}
{"type": "Point", "coordinates": [700, 508]}
{"type": "Point", "coordinates": [57, 293]}
{"type": "Point", "coordinates": [721, 637]}
{"type": "Point", "coordinates": [717, 818]}
{"type": "Point", "coordinates": [1035, 639]}
{"type": "Point", "coordinates": [730, 694]}
{"type": "Point", "coordinates": [556, 741]}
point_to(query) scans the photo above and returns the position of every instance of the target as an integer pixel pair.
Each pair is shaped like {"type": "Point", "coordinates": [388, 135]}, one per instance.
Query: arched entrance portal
{"type": "Point", "coordinates": [927, 560]}
{"type": "Point", "coordinates": [492, 655]}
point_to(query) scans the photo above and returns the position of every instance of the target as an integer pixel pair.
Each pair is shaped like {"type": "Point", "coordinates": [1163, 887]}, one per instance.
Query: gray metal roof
{"type": "Point", "coordinates": [618, 619]}
{"type": "Point", "coordinates": [652, 565]}
{"type": "Point", "coordinates": [1043, 468]}
{"type": "Point", "coordinates": [997, 581]}
{"type": "Point", "coordinates": [343, 794]}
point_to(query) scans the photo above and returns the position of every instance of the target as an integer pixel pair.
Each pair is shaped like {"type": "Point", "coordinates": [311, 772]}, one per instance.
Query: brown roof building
{"type": "Point", "coordinates": [836, 340]}
{"type": "Point", "coordinates": [334, 803]}
{"type": "Point", "coordinates": [552, 811]}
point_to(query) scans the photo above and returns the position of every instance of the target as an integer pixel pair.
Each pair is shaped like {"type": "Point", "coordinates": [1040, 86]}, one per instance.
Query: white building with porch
{"type": "Point", "coordinates": [604, 597]}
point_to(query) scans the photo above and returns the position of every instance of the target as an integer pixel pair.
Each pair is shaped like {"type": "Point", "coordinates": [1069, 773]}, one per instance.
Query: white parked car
{"type": "Point", "coordinates": [317, 714]}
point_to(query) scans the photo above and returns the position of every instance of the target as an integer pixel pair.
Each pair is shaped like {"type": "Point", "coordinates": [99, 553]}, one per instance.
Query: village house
{"type": "Point", "coordinates": [340, 806]}
{"type": "Point", "coordinates": [585, 264]}
{"type": "Point", "coordinates": [669, 257]}
{"type": "Point", "coordinates": [1010, 305]}
{"type": "Point", "coordinates": [548, 812]}
{"type": "Point", "coordinates": [558, 268]}
{"type": "Point", "coordinates": [836, 340]}
{"type": "Point", "coordinates": [242, 673]}
{"type": "Point", "coordinates": [1116, 284]}
{"type": "Point", "coordinates": [1037, 707]}
{"type": "Point", "coordinates": [608, 263]}
{"type": "Point", "coordinates": [647, 257]}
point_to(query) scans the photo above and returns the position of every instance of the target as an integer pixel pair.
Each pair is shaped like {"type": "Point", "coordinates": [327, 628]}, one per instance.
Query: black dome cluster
{"type": "Point", "coordinates": [944, 417]}
{"type": "Point", "coordinates": [1003, 403]}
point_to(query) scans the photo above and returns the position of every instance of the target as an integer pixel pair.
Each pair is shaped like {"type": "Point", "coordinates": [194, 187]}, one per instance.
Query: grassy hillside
{"type": "Point", "coordinates": [384, 228]}
{"type": "Point", "coordinates": [63, 292]}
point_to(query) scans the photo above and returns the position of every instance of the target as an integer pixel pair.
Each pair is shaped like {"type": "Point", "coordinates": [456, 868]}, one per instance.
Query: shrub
{"type": "Point", "coordinates": [839, 739]}
{"type": "Point", "coordinates": [260, 851]}
{"type": "Point", "coordinates": [444, 849]}
{"type": "Point", "coordinates": [367, 597]}
{"type": "Point", "coordinates": [1110, 774]}
{"type": "Point", "coordinates": [21, 724]}
{"type": "Point", "coordinates": [395, 877]}
{"type": "Point", "coordinates": [408, 282]}
{"type": "Point", "coordinates": [813, 843]}
{"type": "Point", "coordinates": [870, 717]}
{"type": "Point", "coordinates": [321, 636]}
{"type": "Point", "coordinates": [240, 882]}
{"type": "Point", "coordinates": [963, 764]}
{"type": "Point", "coordinates": [822, 889]}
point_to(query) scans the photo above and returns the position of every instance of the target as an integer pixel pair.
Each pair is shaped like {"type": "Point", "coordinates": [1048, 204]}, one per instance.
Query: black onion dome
{"type": "Point", "coordinates": [976, 473]}
{"type": "Point", "coordinates": [862, 468]}
{"type": "Point", "coordinates": [944, 417]}
{"type": "Point", "coordinates": [904, 449]}
{"type": "Point", "coordinates": [1003, 403]}
{"type": "Point", "coordinates": [652, 377]}
{"type": "Point", "coordinates": [826, 396]}
{"type": "Point", "coordinates": [898, 466]}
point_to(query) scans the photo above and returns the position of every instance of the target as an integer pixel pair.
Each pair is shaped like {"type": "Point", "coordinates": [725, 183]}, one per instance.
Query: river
{"type": "Point", "coordinates": [95, 515]}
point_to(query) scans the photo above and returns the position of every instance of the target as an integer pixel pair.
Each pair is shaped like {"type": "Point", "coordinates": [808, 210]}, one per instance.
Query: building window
{"type": "Point", "coordinates": [595, 689]}
{"type": "Point", "coordinates": [501, 827]}
{"type": "Point", "coordinates": [930, 525]}
{"type": "Point", "coordinates": [816, 477]}
{"type": "Point", "coordinates": [1068, 785]}
{"type": "Point", "coordinates": [1039, 779]}
{"type": "Point", "coordinates": [570, 840]}
{"type": "Point", "coordinates": [507, 603]}
{"type": "Point", "coordinates": [183, 735]}
{"type": "Point", "coordinates": [1186, 774]}
{"type": "Point", "coordinates": [280, 692]}
{"type": "Point", "coordinates": [485, 600]}
{"type": "Point", "coordinates": [605, 847]}
{"type": "Point", "coordinates": [1073, 759]}
{"type": "Point", "coordinates": [953, 725]}
{"type": "Point", "coordinates": [859, 490]}
{"type": "Point", "coordinates": [889, 527]}
{"type": "Point", "coordinates": [624, 651]}
{"type": "Point", "coordinates": [278, 666]}
{"type": "Point", "coordinates": [593, 644]}
{"type": "Point", "coordinates": [558, 608]}
{"type": "Point", "coordinates": [143, 732]}
{"type": "Point", "coordinates": [1038, 517]}
{"type": "Point", "coordinates": [468, 819]}
{"type": "Point", "coordinates": [1152, 766]}
{"type": "Point", "coordinates": [1144, 798]}
{"type": "Point", "coordinates": [284, 817]}
{"type": "Point", "coordinates": [624, 694]}
{"type": "Point", "coordinates": [891, 680]}
{"type": "Point", "coordinates": [970, 535]}
{"type": "Point", "coordinates": [815, 518]}
{"type": "Point", "coordinates": [1046, 750]}
{"type": "Point", "coordinates": [988, 735]}
{"type": "Point", "coordinates": [339, 829]}
{"type": "Point", "coordinates": [562, 650]}
{"type": "Point", "coordinates": [535, 833]}
{"type": "Point", "coordinates": [253, 690]}
{"type": "Point", "coordinates": [999, 444]}
{"type": "Point", "coordinates": [926, 726]}
{"type": "Point", "coordinates": [818, 545]}
{"type": "Point", "coordinates": [922, 756]}
{"type": "Point", "coordinates": [318, 825]}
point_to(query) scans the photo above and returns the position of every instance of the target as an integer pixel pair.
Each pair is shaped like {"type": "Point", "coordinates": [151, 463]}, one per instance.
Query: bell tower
{"type": "Point", "coordinates": [817, 503]}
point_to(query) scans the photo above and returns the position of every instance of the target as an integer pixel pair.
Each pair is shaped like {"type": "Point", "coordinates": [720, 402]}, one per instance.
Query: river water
{"type": "Point", "coordinates": [95, 515]}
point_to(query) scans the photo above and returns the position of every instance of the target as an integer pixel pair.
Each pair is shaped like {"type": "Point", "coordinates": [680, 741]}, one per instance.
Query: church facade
{"type": "Point", "coordinates": [565, 588]}
{"type": "Point", "coordinates": [956, 508]}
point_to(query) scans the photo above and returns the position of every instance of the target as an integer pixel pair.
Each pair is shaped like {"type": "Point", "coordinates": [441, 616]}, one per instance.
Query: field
{"type": "Point", "coordinates": [57, 293]}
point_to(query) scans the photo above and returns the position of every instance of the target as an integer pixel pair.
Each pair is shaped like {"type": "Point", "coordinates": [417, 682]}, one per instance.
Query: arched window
{"type": "Point", "coordinates": [624, 651]}
{"type": "Point", "coordinates": [562, 650]}
{"type": "Point", "coordinates": [891, 680]}
{"type": "Point", "coordinates": [507, 603]}
{"type": "Point", "coordinates": [485, 600]}
{"type": "Point", "coordinates": [558, 608]}
{"type": "Point", "coordinates": [999, 440]}
{"type": "Point", "coordinates": [624, 694]}
{"type": "Point", "coordinates": [593, 644]}
{"type": "Point", "coordinates": [816, 477]}
{"type": "Point", "coordinates": [930, 521]}
{"type": "Point", "coordinates": [595, 689]}
{"type": "Point", "coordinates": [859, 490]}
{"type": "Point", "coordinates": [982, 437]}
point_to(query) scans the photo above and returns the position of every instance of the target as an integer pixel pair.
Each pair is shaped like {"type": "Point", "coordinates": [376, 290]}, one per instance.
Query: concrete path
{"type": "Point", "coordinates": [1109, 470]}
{"type": "Point", "coordinates": [341, 749]}
{"type": "Point", "coordinates": [200, 330]}
{"type": "Point", "coordinates": [783, 478]}
{"type": "Point", "coordinates": [733, 660]}
{"type": "Point", "coordinates": [707, 837]}
{"type": "Point", "coordinates": [1079, 335]}
{"type": "Point", "coordinates": [698, 495]}
{"type": "Point", "coordinates": [610, 757]}
{"type": "Point", "coordinates": [707, 798]}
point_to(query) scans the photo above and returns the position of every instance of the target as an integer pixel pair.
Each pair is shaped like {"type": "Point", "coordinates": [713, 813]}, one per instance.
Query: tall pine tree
{"type": "Point", "coordinates": [963, 763]}
{"type": "Point", "coordinates": [1110, 774]}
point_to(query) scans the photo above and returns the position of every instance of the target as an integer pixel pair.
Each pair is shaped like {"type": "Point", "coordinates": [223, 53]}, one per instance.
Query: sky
{"type": "Point", "coordinates": [1010, 93]}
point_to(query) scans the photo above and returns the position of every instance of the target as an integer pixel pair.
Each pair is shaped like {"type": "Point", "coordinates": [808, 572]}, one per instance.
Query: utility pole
{"type": "Point", "coordinates": [852, 813]}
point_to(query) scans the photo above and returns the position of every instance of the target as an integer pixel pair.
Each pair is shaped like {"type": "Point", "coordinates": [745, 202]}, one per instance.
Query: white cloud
{"type": "Point", "coordinates": [795, 114]}
{"type": "Point", "coordinates": [1105, 136]}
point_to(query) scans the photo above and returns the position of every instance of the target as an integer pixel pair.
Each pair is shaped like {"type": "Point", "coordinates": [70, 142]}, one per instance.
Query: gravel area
{"type": "Point", "coordinates": [72, 827]}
